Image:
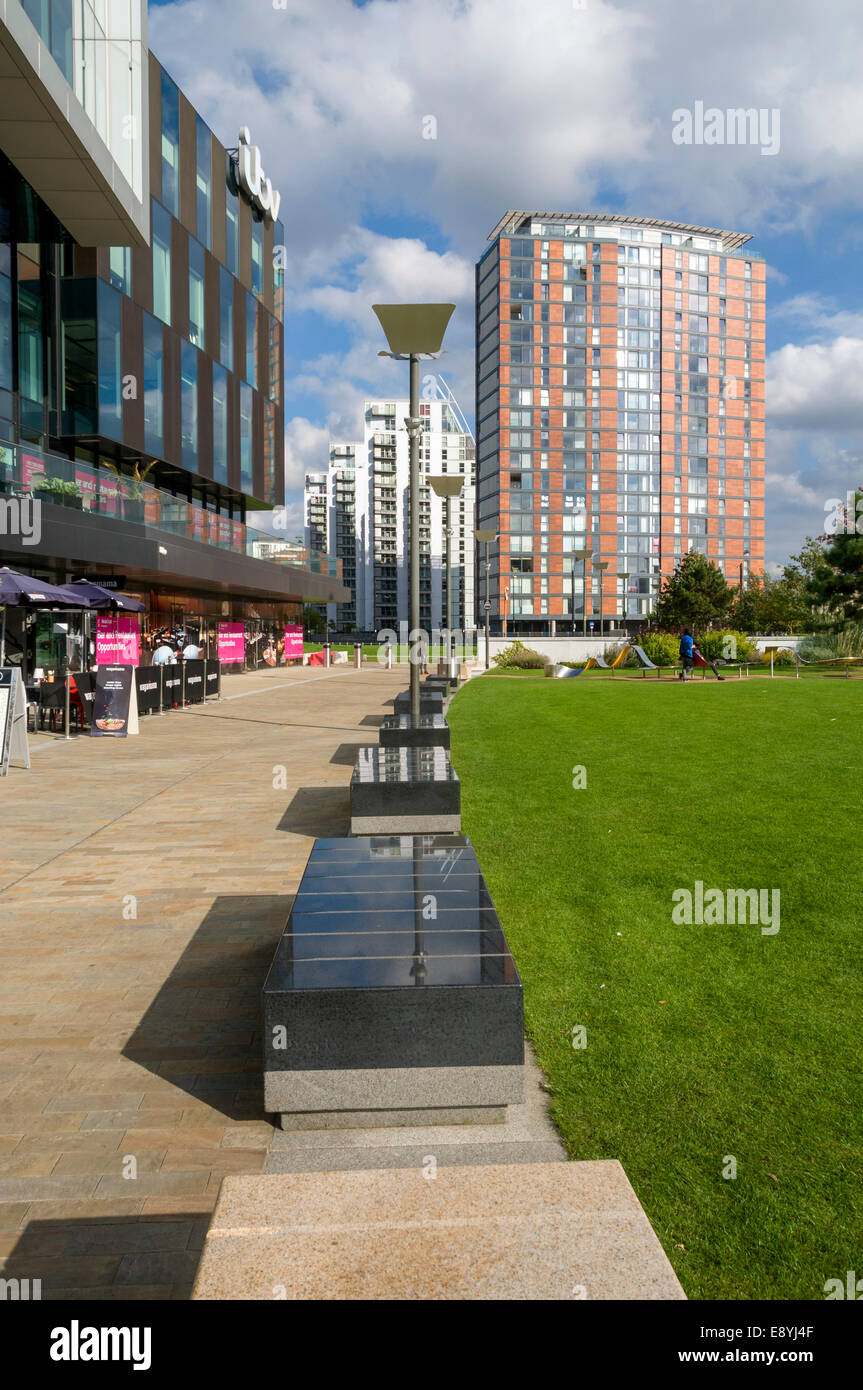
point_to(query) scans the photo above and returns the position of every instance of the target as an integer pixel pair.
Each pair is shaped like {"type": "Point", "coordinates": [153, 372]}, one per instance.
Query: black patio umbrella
{"type": "Point", "coordinates": [104, 598]}
{"type": "Point", "coordinates": [22, 590]}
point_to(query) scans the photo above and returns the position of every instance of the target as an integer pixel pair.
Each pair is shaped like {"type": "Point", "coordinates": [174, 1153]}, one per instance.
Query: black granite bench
{"type": "Point", "coordinates": [397, 731]}
{"type": "Point", "coordinates": [392, 996]}
{"type": "Point", "coordinates": [404, 791]}
{"type": "Point", "coordinates": [431, 702]}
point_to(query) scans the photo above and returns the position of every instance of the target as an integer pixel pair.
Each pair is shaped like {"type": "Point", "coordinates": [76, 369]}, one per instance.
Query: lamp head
{"type": "Point", "coordinates": [447, 484]}
{"type": "Point", "coordinates": [414, 330]}
{"type": "Point", "coordinates": [486, 536]}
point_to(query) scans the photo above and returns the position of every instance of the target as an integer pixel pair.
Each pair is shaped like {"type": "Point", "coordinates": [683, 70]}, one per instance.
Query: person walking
{"type": "Point", "coordinates": [687, 647]}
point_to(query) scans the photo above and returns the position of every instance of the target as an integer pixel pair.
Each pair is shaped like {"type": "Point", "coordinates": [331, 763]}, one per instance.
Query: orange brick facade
{"type": "Point", "coordinates": [620, 409]}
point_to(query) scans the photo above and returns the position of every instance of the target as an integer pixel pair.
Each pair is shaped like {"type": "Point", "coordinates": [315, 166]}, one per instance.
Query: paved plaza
{"type": "Point", "coordinates": [143, 886]}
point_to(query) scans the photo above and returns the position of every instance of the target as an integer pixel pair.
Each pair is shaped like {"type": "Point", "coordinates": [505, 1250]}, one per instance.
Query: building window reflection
{"type": "Point", "coordinates": [161, 263]}
{"type": "Point", "coordinates": [170, 145]}
{"type": "Point", "coordinates": [196, 292]}
{"type": "Point", "coordinates": [203, 182]}
{"type": "Point", "coordinates": [220, 424]}
{"type": "Point", "coordinates": [110, 364]}
{"type": "Point", "coordinates": [189, 405]}
{"type": "Point", "coordinates": [153, 394]}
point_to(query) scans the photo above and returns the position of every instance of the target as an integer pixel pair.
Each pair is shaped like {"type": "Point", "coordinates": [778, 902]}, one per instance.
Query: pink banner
{"type": "Point", "coordinates": [32, 465]}
{"type": "Point", "coordinates": [293, 641]}
{"type": "Point", "coordinates": [117, 640]}
{"type": "Point", "coordinates": [232, 642]}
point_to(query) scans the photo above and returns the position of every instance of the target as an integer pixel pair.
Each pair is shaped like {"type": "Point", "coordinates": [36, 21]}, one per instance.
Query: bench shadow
{"type": "Point", "coordinates": [122, 1257]}
{"type": "Point", "coordinates": [202, 1032]}
{"type": "Point", "coordinates": [315, 811]}
{"type": "Point", "coordinates": [346, 753]}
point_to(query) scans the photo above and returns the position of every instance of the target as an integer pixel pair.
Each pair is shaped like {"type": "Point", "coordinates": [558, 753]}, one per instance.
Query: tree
{"type": "Point", "coordinates": [695, 595]}
{"type": "Point", "coordinates": [313, 620]}
{"type": "Point", "coordinates": [837, 583]}
{"type": "Point", "coordinates": [778, 604]}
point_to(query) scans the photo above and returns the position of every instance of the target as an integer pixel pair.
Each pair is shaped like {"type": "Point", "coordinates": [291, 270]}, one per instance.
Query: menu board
{"type": "Point", "coordinates": [115, 702]}
{"type": "Point", "coordinates": [13, 719]}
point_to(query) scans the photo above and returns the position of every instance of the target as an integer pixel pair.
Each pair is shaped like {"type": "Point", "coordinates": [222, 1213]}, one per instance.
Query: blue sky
{"type": "Point", "coordinates": [561, 105]}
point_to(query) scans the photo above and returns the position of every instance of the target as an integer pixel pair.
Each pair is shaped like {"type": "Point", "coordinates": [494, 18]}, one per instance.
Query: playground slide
{"type": "Point", "coordinates": [644, 658]}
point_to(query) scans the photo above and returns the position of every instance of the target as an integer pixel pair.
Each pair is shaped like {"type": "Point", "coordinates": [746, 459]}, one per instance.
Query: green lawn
{"type": "Point", "coordinates": [702, 1041]}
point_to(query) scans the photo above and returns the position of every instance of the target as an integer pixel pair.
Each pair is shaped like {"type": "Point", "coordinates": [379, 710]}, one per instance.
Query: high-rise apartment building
{"type": "Point", "coordinates": [620, 410]}
{"type": "Point", "coordinates": [364, 500]}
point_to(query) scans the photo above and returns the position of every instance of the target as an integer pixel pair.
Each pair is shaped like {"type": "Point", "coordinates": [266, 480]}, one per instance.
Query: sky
{"type": "Point", "coordinates": [400, 131]}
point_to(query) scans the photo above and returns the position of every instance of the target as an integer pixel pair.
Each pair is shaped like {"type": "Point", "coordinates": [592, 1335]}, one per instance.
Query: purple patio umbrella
{"type": "Point", "coordinates": [104, 598]}
{"type": "Point", "coordinates": [22, 590]}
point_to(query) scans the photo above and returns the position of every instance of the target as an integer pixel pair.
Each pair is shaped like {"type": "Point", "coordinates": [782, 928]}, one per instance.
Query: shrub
{"type": "Point", "coordinates": [726, 644]}
{"type": "Point", "coordinates": [661, 647]}
{"type": "Point", "coordinates": [520, 658]}
{"type": "Point", "coordinates": [783, 657]}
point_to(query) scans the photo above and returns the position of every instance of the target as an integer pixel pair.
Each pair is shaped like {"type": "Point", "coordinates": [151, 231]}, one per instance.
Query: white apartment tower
{"type": "Point", "coordinates": [366, 512]}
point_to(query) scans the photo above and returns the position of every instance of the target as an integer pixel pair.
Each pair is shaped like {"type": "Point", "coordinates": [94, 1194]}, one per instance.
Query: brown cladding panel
{"type": "Point", "coordinates": [179, 279]}
{"type": "Point", "coordinates": [257, 445]}
{"type": "Point", "coordinates": [233, 431]}
{"type": "Point", "coordinates": [133, 366]}
{"type": "Point", "coordinates": [211, 305]}
{"type": "Point", "coordinates": [142, 279]}
{"type": "Point", "coordinates": [269, 237]}
{"type": "Point", "coordinates": [245, 242]}
{"type": "Point", "coordinates": [220, 198]}
{"type": "Point", "coordinates": [155, 129]}
{"type": "Point", "coordinates": [188, 164]}
{"type": "Point", "coordinates": [86, 261]}
{"type": "Point", "coordinates": [205, 416]}
{"type": "Point", "coordinates": [171, 380]}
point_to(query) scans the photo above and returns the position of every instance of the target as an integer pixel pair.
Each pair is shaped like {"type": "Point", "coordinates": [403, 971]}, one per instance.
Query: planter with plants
{"type": "Point", "coordinates": [132, 491]}
{"type": "Point", "coordinates": [59, 492]}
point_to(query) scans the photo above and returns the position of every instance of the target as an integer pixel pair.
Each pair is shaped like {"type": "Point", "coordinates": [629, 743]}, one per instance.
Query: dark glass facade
{"type": "Point", "coordinates": [168, 359]}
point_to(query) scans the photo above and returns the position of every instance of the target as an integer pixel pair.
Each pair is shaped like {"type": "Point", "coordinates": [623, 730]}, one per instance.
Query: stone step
{"type": "Point", "coordinates": [525, 1231]}
{"type": "Point", "coordinates": [349, 1158]}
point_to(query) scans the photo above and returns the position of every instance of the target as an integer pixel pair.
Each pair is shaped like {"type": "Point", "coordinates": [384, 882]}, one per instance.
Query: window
{"type": "Point", "coordinates": [257, 256]}
{"type": "Point", "coordinates": [279, 254]}
{"type": "Point", "coordinates": [170, 145]}
{"type": "Point", "coordinates": [245, 437]}
{"type": "Point", "coordinates": [120, 268]}
{"type": "Point", "coordinates": [5, 323]}
{"type": "Point", "coordinates": [251, 340]}
{"type": "Point", "coordinates": [189, 405]}
{"type": "Point", "coordinates": [153, 357]}
{"type": "Point", "coordinates": [196, 292]}
{"type": "Point", "coordinates": [226, 319]}
{"type": "Point", "coordinates": [30, 366]}
{"type": "Point", "coordinates": [161, 263]}
{"type": "Point", "coordinates": [220, 424]}
{"type": "Point", "coordinates": [203, 182]}
{"type": "Point", "coordinates": [110, 362]}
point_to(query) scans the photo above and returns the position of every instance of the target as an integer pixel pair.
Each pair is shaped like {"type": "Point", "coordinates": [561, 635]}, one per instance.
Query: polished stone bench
{"type": "Point", "coordinates": [392, 995]}
{"type": "Point", "coordinates": [397, 731]}
{"type": "Point", "coordinates": [431, 702]}
{"type": "Point", "coordinates": [404, 791]}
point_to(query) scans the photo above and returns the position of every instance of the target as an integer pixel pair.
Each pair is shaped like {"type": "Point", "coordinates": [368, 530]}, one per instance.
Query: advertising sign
{"type": "Point", "coordinates": [293, 641]}
{"type": "Point", "coordinates": [213, 678]}
{"type": "Point", "coordinates": [232, 642]}
{"type": "Point", "coordinates": [115, 703]}
{"type": "Point", "coordinates": [194, 675]}
{"type": "Point", "coordinates": [117, 640]}
{"type": "Point", "coordinates": [147, 685]}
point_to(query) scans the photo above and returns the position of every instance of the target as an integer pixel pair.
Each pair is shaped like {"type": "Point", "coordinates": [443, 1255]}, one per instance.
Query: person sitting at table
{"type": "Point", "coordinates": [164, 655]}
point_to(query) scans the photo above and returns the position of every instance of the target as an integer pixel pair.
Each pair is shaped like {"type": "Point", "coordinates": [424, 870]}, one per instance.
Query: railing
{"type": "Point", "coordinates": [27, 471]}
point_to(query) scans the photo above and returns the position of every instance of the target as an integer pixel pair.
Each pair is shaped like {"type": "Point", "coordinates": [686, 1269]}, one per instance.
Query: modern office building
{"type": "Point", "coordinates": [620, 410]}
{"type": "Point", "coordinates": [141, 324]}
{"type": "Point", "coordinates": [357, 513]}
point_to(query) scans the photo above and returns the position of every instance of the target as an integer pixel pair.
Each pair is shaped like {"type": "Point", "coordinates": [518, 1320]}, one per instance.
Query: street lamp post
{"type": "Point", "coordinates": [505, 600]}
{"type": "Point", "coordinates": [583, 555]}
{"type": "Point", "coordinates": [602, 566]}
{"type": "Point", "coordinates": [448, 485]}
{"type": "Point", "coordinates": [485, 536]}
{"type": "Point", "coordinates": [413, 331]}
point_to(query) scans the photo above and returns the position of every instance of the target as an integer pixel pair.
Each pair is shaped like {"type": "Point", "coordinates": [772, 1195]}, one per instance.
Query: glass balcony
{"type": "Point", "coordinates": [26, 471]}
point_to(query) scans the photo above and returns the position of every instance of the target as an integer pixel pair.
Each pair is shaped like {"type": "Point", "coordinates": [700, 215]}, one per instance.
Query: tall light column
{"type": "Point", "coordinates": [448, 485]}
{"type": "Point", "coordinates": [602, 566]}
{"type": "Point", "coordinates": [583, 555]}
{"type": "Point", "coordinates": [413, 331]}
